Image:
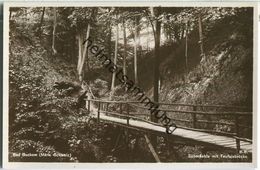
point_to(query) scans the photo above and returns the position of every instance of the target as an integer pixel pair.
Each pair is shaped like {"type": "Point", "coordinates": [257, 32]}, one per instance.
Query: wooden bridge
{"type": "Point", "coordinates": [222, 126]}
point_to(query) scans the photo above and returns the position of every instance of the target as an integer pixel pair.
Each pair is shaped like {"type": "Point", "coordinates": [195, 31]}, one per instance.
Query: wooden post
{"type": "Point", "coordinates": [194, 117]}
{"type": "Point", "coordinates": [107, 107]}
{"type": "Point", "coordinates": [127, 134]}
{"type": "Point", "coordinates": [127, 143]}
{"type": "Point", "coordinates": [237, 132]}
{"type": "Point", "coordinates": [120, 109]}
{"type": "Point", "coordinates": [156, 157]}
{"type": "Point", "coordinates": [167, 141]}
{"type": "Point", "coordinates": [127, 112]}
{"type": "Point", "coordinates": [88, 106]}
{"type": "Point", "coordinates": [98, 116]}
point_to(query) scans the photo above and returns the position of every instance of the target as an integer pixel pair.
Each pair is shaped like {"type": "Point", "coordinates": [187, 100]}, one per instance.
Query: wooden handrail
{"type": "Point", "coordinates": [132, 117]}
{"type": "Point", "coordinates": [111, 101]}
{"type": "Point", "coordinates": [210, 113]}
{"type": "Point", "coordinates": [198, 112]}
{"type": "Point", "coordinates": [199, 121]}
{"type": "Point", "coordinates": [200, 105]}
{"type": "Point", "coordinates": [140, 114]}
{"type": "Point", "coordinates": [182, 127]}
{"type": "Point", "coordinates": [182, 120]}
{"type": "Point", "coordinates": [174, 104]}
{"type": "Point", "coordinates": [188, 128]}
{"type": "Point", "coordinates": [194, 121]}
{"type": "Point", "coordinates": [215, 122]}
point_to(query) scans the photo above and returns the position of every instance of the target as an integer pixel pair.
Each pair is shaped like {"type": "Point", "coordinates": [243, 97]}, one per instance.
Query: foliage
{"type": "Point", "coordinates": [48, 120]}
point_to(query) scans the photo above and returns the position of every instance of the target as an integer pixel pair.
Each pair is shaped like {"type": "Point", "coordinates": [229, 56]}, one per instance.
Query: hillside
{"type": "Point", "coordinates": [223, 76]}
{"type": "Point", "coordinates": [52, 73]}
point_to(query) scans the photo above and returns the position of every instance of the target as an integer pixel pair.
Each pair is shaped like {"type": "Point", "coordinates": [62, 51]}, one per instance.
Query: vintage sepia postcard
{"type": "Point", "coordinates": [102, 82]}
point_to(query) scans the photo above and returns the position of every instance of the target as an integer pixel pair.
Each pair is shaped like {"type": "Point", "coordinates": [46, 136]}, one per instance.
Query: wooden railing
{"type": "Point", "coordinates": [134, 109]}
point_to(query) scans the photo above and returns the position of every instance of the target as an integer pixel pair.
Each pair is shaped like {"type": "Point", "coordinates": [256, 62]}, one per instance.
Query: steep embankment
{"type": "Point", "coordinates": [45, 120]}
{"type": "Point", "coordinates": [41, 119]}
{"type": "Point", "coordinates": [222, 76]}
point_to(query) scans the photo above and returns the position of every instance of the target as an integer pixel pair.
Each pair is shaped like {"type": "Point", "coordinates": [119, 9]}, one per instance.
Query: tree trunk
{"type": "Point", "coordinates": [40, 25]}
{"type": "Point", "coordinates": [186, 48]}
{"type": "Point", "coordinates": [54, 31]}
{"type": "Point", "coordinates": [167, 31]}
{"type": "Point", "coordinates": [125, 50]}
{"type": "Point", "coordinates": [200, 35]}
{"type": "Point", "coordinates": [80, 42]}
{"type": "Point", "coordinates": [109, 41]}
{"type": "Point", "coordinates": [182, 32]}
{"type": "Point", "coordinates": [109, 38]}
{"type": "Point", "coordinates": [157, 37]}
{"type": "Point", "coordinates": [115, 60]}
{"type": "Point", "coordinates": [155, 12]}
{"type": "Point", "coordinates": [147, 39]}
{"type": "Point", "coordinates": [84, 55]}
{"type": "Point", "coordinates": [135, 50]}
{"type": "Point", "coordinates": [176, 34]}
